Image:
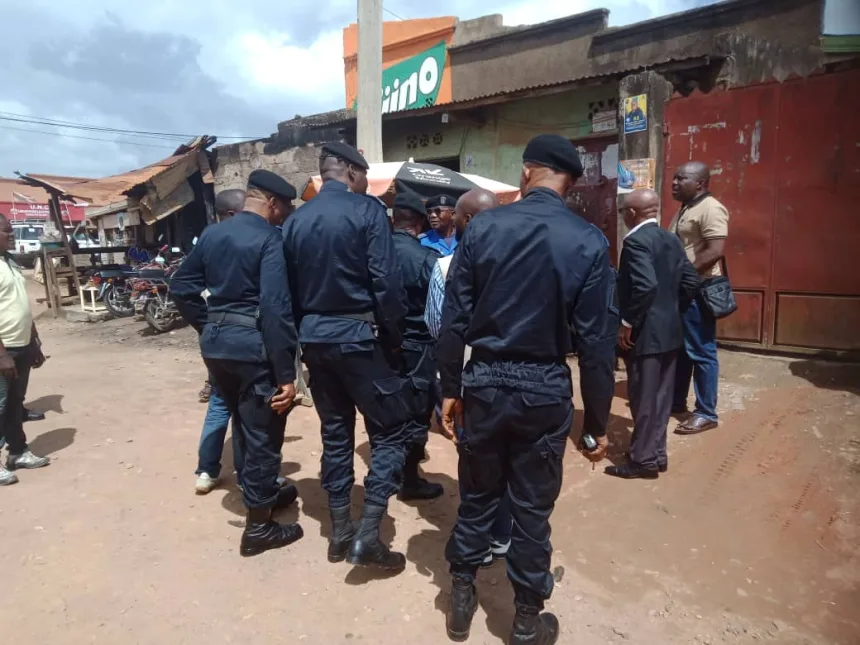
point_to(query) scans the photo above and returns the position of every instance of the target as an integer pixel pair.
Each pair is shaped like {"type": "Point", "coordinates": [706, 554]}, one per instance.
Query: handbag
{"type": "Point", "coordinates": [716, 294]}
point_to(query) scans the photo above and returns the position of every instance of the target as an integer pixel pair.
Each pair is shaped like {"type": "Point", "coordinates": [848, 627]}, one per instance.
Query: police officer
{"type": "Point", "coordinates": [523, 276]}
{"type": "Point", "coordinates": [248, 341]}
{"type": "Point", "coordinates": [419, 347]}
{"type": "Point", "coordinates": [348, 297]}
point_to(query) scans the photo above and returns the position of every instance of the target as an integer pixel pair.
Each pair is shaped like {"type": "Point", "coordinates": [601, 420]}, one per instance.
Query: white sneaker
{"type": "Point", "coordinates": [205, 484]}
{"type": "Point", "coordinates": [7, 478]}
{"type": "Point", "coordinates": [499, 549]}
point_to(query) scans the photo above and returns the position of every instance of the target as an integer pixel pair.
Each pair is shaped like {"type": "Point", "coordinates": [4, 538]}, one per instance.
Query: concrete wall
{"type": "Point", "coordinates": [235, 163]}
{"type": "Point", "coordinates": [581, 46]}
{"type": "Point", "coordinates": [493, 145]}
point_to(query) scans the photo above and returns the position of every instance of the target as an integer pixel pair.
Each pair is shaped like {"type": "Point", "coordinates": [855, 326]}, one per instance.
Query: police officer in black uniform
{"type": "Point", "coordinates": [248, 341]}
{"type": "Point", "coordinates": [524, 276]}
{"type": "Point", "coordinates": [419, 347]}
{"type": "Point", "coordinates": [348, 298]}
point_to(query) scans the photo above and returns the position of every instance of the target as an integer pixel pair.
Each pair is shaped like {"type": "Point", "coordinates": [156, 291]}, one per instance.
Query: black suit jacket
{"type": "Point", "coordinates": [656, 283]}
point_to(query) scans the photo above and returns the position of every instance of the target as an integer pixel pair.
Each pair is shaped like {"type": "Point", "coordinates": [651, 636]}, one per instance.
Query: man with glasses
{"type": "Point", "coordinates": [442, 236]}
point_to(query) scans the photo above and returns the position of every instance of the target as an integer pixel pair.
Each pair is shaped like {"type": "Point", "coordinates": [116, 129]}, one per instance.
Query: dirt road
{"type": "Point", "coordinates": [751, 537]}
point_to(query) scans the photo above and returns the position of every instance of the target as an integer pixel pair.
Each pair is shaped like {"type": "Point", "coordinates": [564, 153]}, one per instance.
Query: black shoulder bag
{"type": "Point", "coordinates": [716, 294]}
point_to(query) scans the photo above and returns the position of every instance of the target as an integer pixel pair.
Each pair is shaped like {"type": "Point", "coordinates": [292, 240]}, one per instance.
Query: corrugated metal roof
{"type": "Point", "coordinates": [107, 190]}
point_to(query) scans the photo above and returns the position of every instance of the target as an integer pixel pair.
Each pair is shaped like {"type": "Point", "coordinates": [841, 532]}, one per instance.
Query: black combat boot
{"type": "Point", "coordinates": [414, 486]}
{"type": "Point", "coordinates": [464, 604]}
{"type": "Point", "coordinates": [342, 532]}
{"type": "Point", "coordinates": [287, 495]}
{"type": "Point", "coordinates": [367, 550]}
{"type": "Point", "coordinates": [533, 627]}
{"type": "Point", "coordinates": [262, 533]}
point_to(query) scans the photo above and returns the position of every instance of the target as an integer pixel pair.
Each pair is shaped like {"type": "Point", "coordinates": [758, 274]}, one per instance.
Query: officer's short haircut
{"type": "Point", "coordinates": [232, 199]}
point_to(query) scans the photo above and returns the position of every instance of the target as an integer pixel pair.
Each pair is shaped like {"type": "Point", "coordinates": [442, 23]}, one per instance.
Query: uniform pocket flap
{"type": "Point", "coordinates": [420, 383]}
{"type": "Point", "coordinates": [388, 386]}
{"type": "Point", "coordinates": [361, 346]}
{"type": "Point", "coordinates": [532, 400]}
{"type": "Point", "coordinates": [263, 389]}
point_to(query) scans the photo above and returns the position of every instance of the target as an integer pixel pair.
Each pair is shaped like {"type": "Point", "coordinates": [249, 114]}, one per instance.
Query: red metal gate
{"type": "Point", "coordinates": [785, 161]}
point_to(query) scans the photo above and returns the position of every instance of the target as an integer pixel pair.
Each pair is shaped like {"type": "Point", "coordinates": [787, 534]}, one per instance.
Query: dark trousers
{"type": "Point", "coordinates": [347, 376]}
{"type": "Point", "coordinates": [245, 387]}
{"type": "Point", "coordinates": [12, 393]}
{"type": "Point", "coordinates": [650, 386]}
{"type": "Point", "coordinates": [420, 364]}
{"type": "Point", "coordinates": [512, 441]}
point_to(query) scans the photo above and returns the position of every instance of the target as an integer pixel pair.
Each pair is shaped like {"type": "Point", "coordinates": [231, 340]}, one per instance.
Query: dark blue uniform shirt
{"type": "Point", "coordinates": [241, 263]}
{"type": "Point", "coordinates": [416, 264]}
{"type": "Point", "coordinates": [524, 277]}
{"type": "Point", "coordinates": [341, 262]}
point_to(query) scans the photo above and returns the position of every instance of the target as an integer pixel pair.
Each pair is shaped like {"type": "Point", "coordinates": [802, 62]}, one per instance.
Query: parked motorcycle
{"type": "Point", "coordinates": [150, 294]}
{"type": "Point", "coordinates": [113, 281]}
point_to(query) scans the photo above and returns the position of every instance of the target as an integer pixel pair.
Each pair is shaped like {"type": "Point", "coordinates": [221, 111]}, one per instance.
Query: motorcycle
{"type": "Point", "coordinates": [113, 281]}
{"type": "Point", "coordinates": [150, 294]}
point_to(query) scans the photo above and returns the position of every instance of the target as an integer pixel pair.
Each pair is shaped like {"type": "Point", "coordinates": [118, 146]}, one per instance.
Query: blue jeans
{"type": "Point", "coordinates": [698, 363]}
{"type": "Point", "coordinates": [213, 435]}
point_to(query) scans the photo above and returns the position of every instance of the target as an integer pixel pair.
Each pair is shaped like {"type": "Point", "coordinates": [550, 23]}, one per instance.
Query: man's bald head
{"type": "Point", "coordinates": [640, 205]}
{"type": "Point", "coordinates": [691, 181]}
{"type": "Point", "coordinates": [229, 202]}
{"type": "Point", "coordinates": [475, 201]}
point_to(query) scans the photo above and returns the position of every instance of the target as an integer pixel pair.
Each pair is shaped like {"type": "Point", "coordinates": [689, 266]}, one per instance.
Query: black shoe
{"type": "Point", "coordinates": [662, 467]}
{"type": "Point", "coordinates": [342, 533]}
{"type": "Point", "coordinates": [367, 550]}
{"type": "Point", "coordinates": [287, 495]}
{"type": "Point", "coordinates": [534, 628]}
{"type": "Point", "coordinates": [414, 486]}
{"type": "Point", "coordinates": [464, 604]}
{"type": "Point", "coordinates": [30, 415]}
{"type": "Point", "coordinates": [262, 533]}
{"type": "Point", "coordinates": [632, 470]}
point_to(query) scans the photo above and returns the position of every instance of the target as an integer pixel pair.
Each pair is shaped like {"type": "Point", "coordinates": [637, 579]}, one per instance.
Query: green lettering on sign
{"type": "Point", "coordinates": [413, 83]}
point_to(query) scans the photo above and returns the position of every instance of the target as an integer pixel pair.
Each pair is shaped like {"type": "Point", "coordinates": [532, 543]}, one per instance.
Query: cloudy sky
{"type": "Point", "coordinates": [222, 67]}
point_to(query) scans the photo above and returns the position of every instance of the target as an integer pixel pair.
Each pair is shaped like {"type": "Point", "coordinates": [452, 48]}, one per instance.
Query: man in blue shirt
{"type": "Point", "coordinates": [348, 298]}
{"type": "Point", "coordinates": [441, 237]}
{"type": "Point", "coordinates": [248, 341]}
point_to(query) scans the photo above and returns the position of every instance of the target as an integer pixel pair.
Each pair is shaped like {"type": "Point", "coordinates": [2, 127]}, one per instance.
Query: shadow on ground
{"type": "Point", "coordinates": [50, 403]}
{"type": "Point", "coordinates": [53, 441]}
{"type": "Point", "coordinates": [843, 377]}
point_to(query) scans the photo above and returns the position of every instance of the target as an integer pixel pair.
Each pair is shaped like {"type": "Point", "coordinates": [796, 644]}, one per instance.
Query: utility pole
{"type": "Point", "coordinates": [370, 79]}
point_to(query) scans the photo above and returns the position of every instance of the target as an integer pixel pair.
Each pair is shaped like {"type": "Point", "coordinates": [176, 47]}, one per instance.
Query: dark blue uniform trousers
{"type": "Point", "coordinates": [512, 441]}
{"type": "Point", "coordinates": [347, 376]}
{"type": "Point", "coordinates": [420, 364]}
{"type": "Point", "coordinates": [245, 387]}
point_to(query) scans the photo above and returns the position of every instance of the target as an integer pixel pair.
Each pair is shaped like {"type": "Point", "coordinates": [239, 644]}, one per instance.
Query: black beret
{"type": "Point", "coordinates": [441, 200]}
{"type": "Point", "coordinates": [410, 201]}
{"type": "Point", "coordinates": [554, 151]}
{"type": "Point", "coordinates": [272, 183]}
{"type": "Point", "coordinates": [345, 153]}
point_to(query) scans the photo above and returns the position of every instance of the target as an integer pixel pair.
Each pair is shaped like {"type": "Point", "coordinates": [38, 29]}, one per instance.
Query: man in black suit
{"type": "Point", "coordinates": [656, 282]}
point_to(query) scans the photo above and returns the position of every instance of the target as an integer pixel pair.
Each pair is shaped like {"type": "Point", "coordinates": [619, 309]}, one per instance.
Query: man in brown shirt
{"type": "Point", "coordinates": [702, 224]}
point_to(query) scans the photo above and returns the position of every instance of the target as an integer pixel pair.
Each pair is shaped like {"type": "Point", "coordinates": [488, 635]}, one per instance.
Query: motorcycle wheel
{"type": "Point", "coordinates": [153, 312]}
{"type": "Point", "coordinates": [118, 302]}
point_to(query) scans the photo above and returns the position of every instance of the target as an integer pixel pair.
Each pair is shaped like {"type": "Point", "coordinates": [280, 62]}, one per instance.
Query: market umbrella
{"type": "Point", "coordinates": [426, 179]}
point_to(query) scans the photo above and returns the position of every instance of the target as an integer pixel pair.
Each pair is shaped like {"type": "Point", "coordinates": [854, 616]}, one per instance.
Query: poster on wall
{"type": "Point", "coordinates": [635, 113]}
{"type": "Point", "coordinates": [636, 173]}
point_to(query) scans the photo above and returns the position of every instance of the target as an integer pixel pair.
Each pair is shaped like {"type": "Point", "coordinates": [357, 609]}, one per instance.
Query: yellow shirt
{"type": "Point", "coordinates": [705, 220]}
{"type": "Point", "coordinates": [16, 319]}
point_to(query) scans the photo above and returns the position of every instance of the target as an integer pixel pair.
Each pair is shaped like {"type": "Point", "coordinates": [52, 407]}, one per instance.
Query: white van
{"type": "Point", "coordinates": [27, 244]}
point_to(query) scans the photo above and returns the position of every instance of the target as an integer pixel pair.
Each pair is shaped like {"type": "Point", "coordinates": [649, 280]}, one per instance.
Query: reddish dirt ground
{"type": "Point", "coordinates": [751, 537]}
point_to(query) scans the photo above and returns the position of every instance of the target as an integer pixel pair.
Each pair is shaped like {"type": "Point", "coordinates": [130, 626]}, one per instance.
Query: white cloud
{"type": "Point", "coordinates": [271, 62]}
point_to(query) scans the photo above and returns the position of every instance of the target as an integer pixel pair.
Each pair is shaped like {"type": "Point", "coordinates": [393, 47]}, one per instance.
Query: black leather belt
{"type": "Point", "coordinates": [245, 320]}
